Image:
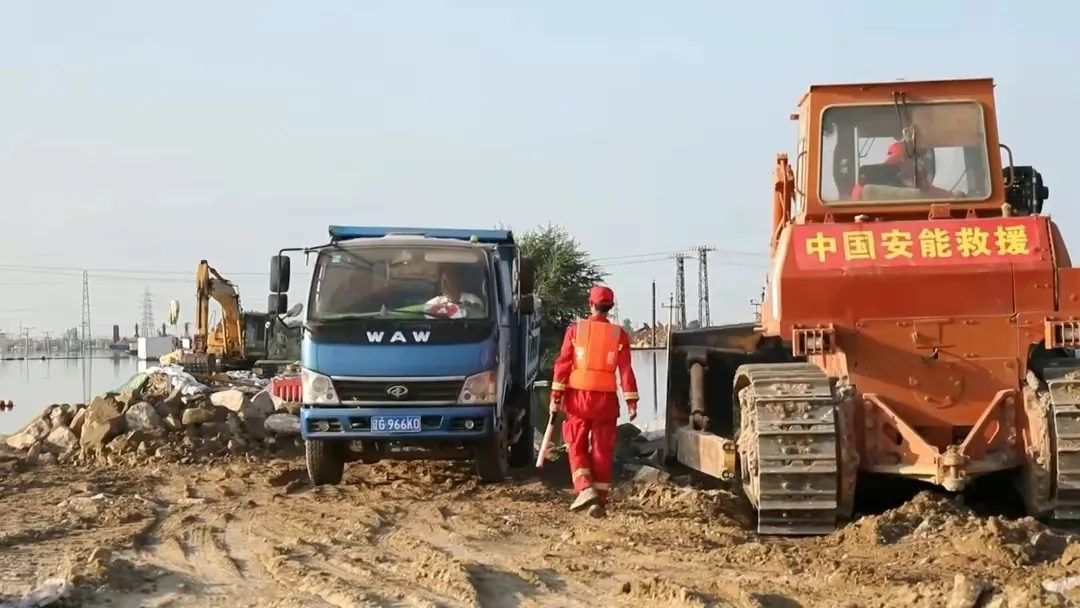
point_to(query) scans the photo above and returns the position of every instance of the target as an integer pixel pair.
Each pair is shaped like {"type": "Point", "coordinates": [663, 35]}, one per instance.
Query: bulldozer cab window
{"type": "Point", "coordinates": [905, 152]}
{"type": "Point", "coordinates": [400, 282]}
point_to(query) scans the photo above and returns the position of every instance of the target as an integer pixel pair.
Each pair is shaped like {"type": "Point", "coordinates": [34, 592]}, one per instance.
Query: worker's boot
{"type": "Point", "coordinates": [597, 511]}
{"type": "Point", "coordinates": [586, 498]}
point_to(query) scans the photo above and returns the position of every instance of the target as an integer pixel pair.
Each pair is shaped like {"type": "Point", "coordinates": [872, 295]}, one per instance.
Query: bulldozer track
{"type": "Point", "coordinates": [1063, 385]}
{"type": "Point", "coordinates": [788, 440]}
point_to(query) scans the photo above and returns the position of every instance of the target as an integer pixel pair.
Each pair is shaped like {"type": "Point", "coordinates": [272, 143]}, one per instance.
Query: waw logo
{"type": "Point", "coordinates": [418, 337]}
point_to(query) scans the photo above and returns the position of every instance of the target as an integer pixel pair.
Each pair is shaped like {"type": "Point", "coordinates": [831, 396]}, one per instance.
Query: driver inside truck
{"type": "Point", "coordinates": [915, 172]}
{"type": "Point", "coordinates": [453, 301]}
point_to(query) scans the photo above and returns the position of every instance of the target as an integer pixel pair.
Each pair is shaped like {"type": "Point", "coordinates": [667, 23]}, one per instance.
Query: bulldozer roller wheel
{"type": "Point", "coordinates": [1062, 390]}
{"type": "Point", "coordinates": [791, 446]}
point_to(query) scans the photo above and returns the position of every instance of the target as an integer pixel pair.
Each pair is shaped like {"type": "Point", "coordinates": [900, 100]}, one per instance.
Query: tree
{"type": "Point", "coordinates": [628, 325]}
{"type": "Point", "coordinates": [564, 275]}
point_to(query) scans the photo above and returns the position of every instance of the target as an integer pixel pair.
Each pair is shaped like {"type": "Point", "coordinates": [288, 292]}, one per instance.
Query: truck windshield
{"type": "Point", "coordinates": [904, 152]}
{"type": "Point", "coordinates": [428, 282]}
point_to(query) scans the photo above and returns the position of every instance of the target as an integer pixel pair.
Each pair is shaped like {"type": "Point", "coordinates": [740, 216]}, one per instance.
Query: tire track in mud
{"type": "Point", "coordinates": [205, 542]}
{"type": "Point", "coordinates": [256, 534]}
{"type": "Point", "coordinates": [362, 547]}
{"type": "Point", "coordinates": [544, 554]}
{"type": "Point", "coordinates": [515, 541]}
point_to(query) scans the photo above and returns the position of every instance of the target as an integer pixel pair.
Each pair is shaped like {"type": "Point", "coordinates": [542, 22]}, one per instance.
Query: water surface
{"type": "Point", "coordinates": [34, 384]}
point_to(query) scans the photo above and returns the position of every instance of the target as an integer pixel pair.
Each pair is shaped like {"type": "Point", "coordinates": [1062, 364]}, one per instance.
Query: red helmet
{"type": "Point", "coordinates": [601, 295]}
{"type": "Point", "coordinates": [897, 153]}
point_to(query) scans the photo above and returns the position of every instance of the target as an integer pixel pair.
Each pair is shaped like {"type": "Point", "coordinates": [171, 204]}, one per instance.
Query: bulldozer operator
{"type": "Point", "coordinates": [916, 171]}
{"type": "Point", "coordinates": [593, 351]}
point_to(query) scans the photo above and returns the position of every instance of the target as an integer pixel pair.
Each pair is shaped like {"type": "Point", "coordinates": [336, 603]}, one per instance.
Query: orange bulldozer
{"type": "Point", "coordinates": [920, 319]}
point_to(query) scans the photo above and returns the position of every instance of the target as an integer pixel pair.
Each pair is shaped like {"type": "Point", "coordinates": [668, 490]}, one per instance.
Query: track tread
{"type": "Point", "coordinates": [1063, 385]}
{"type": "Point", "coordinates": [793, 469]}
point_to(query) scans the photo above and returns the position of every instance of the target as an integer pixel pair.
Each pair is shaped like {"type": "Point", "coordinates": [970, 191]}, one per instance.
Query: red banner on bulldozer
{"type": "Point", "coordinates": [1003, 240]}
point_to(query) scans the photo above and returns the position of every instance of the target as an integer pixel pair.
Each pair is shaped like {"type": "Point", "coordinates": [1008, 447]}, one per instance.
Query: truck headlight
{"type": "Point", "coordinates": [479, 388]}
{"type": "Point", "coordinates": [317, 388]}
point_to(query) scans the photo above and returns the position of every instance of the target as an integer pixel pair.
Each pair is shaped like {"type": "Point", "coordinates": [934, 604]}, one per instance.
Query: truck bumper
{"type": "Point", "coordinates": [452, 422]}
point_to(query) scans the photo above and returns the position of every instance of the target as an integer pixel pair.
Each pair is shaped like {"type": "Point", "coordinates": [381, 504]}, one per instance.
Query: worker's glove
{"type": "Point", "coordinates": [631, 406]}
{"type": "Point", "coordinates": [556, 402]}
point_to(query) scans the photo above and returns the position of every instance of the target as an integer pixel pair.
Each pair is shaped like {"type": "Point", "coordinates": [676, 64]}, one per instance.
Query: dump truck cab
{"type": "Point", "coordinates": [915, 289]}
{"type": "Point", "coordinates": [417, 344]}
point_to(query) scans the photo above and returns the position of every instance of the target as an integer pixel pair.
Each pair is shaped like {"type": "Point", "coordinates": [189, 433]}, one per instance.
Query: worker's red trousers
{"type": "Point", "coordinates": [590, 433]}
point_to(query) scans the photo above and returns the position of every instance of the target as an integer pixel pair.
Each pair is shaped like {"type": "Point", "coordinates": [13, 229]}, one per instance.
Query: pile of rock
{"type": "Point", "coordinates": [150, 421]}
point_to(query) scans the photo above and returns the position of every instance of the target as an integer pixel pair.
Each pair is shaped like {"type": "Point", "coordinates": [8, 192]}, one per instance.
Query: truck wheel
{"type": "Point", "coordinates": [492, 458]}
{"type": "Point", "coordinates": [325, 462]}
{"type": "Point", "coordinates": [523, 451]}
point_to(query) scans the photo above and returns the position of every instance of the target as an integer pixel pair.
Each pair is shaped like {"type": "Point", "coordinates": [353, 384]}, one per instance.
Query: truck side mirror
{"type": "Point", "coordinates": [277, 303]}
{"type": "Point", "coordinates": [526, 304]}
{"type": "Point", "coordinates": [295, 310]}
{"type": "Point", "coordinates": [526, 275]}
{"type": "Point", "coordinates": [280, 270]}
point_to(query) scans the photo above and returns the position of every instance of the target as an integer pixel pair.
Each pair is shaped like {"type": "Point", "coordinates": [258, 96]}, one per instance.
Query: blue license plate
{"type": "Point", "coordinates": [395, 424]}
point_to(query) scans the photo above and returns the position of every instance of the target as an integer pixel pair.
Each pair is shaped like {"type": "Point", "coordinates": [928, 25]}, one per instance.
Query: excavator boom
{"type": "Point", "coordinates": [227, 340]}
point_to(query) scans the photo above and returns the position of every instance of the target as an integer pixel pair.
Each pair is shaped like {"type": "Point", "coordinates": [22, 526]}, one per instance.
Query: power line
{"type": "Point", "coordinates": [156, 274]}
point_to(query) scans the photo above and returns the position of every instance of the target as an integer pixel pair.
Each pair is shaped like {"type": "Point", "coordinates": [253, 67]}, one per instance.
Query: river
{"type": "Point", "coordinates": [34, 384]}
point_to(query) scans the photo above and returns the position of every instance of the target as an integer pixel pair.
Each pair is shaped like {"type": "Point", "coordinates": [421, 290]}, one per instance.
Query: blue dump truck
{"type": "Point", "coordinates": [418, 344]}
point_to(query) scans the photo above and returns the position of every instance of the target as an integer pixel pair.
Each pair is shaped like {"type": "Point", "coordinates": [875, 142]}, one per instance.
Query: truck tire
{"type": "Point", "coordinates": [325, 462]}
{"type": "Point", "coordinates": [492, 460]}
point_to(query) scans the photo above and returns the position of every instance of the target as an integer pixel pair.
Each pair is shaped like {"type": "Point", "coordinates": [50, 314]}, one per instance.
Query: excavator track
{"type": "Point", "coordinates": [1063, 385]}
{"type": "Point", "coordinates": [789, 444]}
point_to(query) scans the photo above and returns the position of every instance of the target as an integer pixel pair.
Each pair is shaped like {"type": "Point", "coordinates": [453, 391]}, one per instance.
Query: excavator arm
{"type": "Point", "coordinates": [209, 284]}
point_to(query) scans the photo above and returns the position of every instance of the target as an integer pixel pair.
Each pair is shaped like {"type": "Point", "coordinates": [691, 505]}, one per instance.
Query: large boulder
{"type": "Point", "coordinates": [31, 434]}
{"type": "Point", "coordinates": [196, 415]}
{"type": "Point", "coordinates": [78, 420]}
{"type": "Point", "coordinates": [61, 440]}
{"type": "Point", "coordinates": [172, 405]}
{"type": "Point", "coordinates": [103, 422]}
{"type": "Point", "coordinates": [262, 405]}
{"type": "Point", "coordinates": [249, 409]}
{"type": "Point", "coordinates": [142, 416]}
{"type": "Point", "coordinates": [283, 424]}
{"type": "Point", "coordinates": [60, 415]}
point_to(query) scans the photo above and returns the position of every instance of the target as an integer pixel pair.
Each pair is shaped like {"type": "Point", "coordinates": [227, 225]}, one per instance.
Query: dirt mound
{"type": "Point", "coordinates": [931, 518]}
{"type": "Point", "coordinates": [155, 419]}
{"type": "Point", "coordinates": [665, 500]}
{"type": "Point", "coordinates": [660, 591]}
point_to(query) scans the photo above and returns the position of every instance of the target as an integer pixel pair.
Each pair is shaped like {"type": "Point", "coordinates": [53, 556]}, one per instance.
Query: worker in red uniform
{"type": "Point", "coordinates": [585, 387]}
{"type": "Point", "coordinates": [922, 179]}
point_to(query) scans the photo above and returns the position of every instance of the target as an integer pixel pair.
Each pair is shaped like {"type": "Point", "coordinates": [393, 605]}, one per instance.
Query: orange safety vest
{"type": "Point", "coordinates": [596, 356]}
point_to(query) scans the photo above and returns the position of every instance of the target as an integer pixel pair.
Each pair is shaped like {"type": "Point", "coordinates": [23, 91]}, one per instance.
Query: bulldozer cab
{"type": "Point", "coordinates": [894, 149]}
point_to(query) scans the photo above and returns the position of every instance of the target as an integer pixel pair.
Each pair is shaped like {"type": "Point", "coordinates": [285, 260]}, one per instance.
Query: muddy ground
{"type": "Point", "coordinates": [245, 531]}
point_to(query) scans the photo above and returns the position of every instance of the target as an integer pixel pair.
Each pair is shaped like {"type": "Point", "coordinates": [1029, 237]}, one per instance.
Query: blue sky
{"type": "Point", "coordinates": [141, 137]}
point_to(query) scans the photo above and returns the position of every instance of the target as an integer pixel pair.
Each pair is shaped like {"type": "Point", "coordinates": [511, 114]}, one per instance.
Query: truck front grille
{"type": "Point", "coordinates": [444, 391]}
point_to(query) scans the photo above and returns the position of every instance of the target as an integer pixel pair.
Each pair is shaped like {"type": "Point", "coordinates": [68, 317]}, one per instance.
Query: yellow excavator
{"type": "Point", "coordinates": [241, 340]}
